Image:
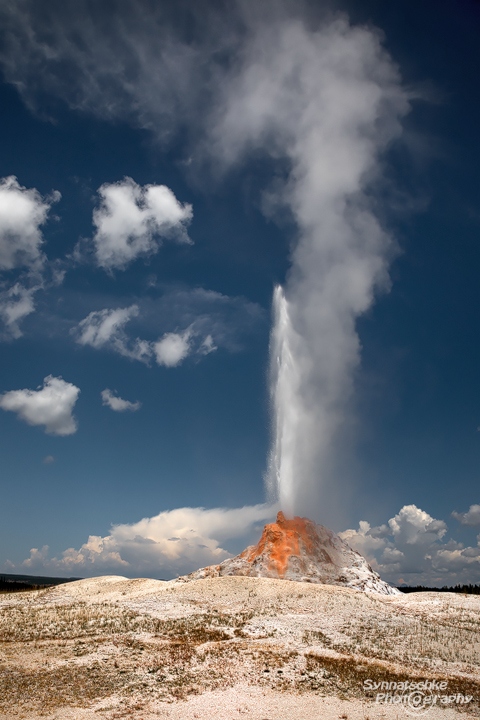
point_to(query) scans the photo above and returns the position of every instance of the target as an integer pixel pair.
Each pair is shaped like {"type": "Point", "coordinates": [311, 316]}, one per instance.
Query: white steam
{"type": "Point", "coordinates": [329, 102]}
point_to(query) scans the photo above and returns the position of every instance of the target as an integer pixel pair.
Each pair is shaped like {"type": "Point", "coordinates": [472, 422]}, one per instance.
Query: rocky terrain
{"type": "Point", "coordinates": [298, 549]}
{"type": "Point", "coordinates": [297, 626]}
{"type": "Point", "coordinates": [229, 647]}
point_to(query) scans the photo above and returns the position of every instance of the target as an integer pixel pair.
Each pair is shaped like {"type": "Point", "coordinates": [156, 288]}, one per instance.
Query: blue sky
{"type": "Point", "coordinates": [144, 223]}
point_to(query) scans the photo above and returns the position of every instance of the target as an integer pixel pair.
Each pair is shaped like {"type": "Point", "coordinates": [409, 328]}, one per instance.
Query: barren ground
{"type": "Point", "coordinates": [229, 648]}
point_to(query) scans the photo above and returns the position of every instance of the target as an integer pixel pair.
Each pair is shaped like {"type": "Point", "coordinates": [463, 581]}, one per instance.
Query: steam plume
{"type": "Point", "coordinates": [328, 101]}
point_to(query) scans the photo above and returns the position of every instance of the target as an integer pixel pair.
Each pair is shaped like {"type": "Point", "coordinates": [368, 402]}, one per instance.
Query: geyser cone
{"type": "Point", "coordinates": [298, 549]}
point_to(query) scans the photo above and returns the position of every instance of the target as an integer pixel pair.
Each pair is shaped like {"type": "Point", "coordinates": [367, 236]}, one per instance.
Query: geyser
{"type": "Point", "coordinates": [330, 101]}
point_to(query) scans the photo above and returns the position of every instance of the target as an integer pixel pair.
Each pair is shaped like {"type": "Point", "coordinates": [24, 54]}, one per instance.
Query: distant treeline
{"type": "Point", "coordinates": [20, 583]}
{"type": "Point", "coordinates": [466, 589]}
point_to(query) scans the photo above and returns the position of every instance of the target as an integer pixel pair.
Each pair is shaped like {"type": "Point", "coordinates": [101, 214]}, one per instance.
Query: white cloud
{"type": "Point", "coordinates": [105, 329]}
{"type": "Point", "coordinates": [118, 404]}
{"type": "Point", "coordinates": [15, 304]}
{"type": "Point", "coordinates": [169, 544]}
{"type": "Point", "coordinates": [173, 348]}
{"type": "Point", "coordinates": [37, 558]}
{"type": "Point", "coordinates": [412, 548]}
{"type": "Point", "coordinates": [22, 212]}
{"type": "Point", "coordinates": [412, 526]}
{"type": "Point", "coordinates": [471, 517]}
{"type": "Point", "coordinates": [51, 405]}
{"type": "Point", "coordinates": [131, 221]}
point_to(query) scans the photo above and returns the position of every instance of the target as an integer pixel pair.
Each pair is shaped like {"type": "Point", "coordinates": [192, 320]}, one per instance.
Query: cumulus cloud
{"type": "Point", "coordinates": [51, 405]}
{"type": "Point", "coordinates": [471, 517]}
{"type": "Point", "coordinates": [22, 213]}
{"type": "Point", "coordinates": [118, 404]}
{"type": "Point", "coordinates": [172, 348]}
{"type": "Point", "coordinates": [412, 548]}
{"type": "Point", "coordinates": [169, 544]}
{"type": "Point", "coordinates": [132, 220]}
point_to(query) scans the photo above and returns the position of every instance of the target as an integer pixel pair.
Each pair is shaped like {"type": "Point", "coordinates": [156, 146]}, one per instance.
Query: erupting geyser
{"type": "Point", "coordinates": [285, 388]}
{"type": "Point", "coordinates": [325, 102]}
{"type": "Point", "coordinates": [330, 102]}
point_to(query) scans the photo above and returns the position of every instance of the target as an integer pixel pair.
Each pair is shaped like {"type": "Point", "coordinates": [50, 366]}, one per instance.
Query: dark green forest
{"type": "Point", "coordinates": [465, 589]}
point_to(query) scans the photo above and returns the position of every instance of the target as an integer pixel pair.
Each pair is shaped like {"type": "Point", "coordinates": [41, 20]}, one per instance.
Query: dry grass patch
{"type": "Point", "coordinates": [421, 641]}
{"type": "Point", "coordinates": [43, 690]}
{"type": "Point", "coordinates": [347, 675]}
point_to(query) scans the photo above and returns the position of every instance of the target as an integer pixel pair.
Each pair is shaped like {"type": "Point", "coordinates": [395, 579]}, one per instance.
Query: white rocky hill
{"type": "Point", "coordinates": [300, 550]}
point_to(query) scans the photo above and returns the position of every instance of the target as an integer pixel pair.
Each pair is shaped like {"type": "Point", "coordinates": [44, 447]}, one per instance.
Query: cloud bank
{"type": "Point", "coordinates": [125, 61]}
{"type": "Point", "coordinates": [411, 548]}
{"type": "Point", "coordinates": [50, 406]}
{"type": "Point", "coordinates": [169, 544]}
